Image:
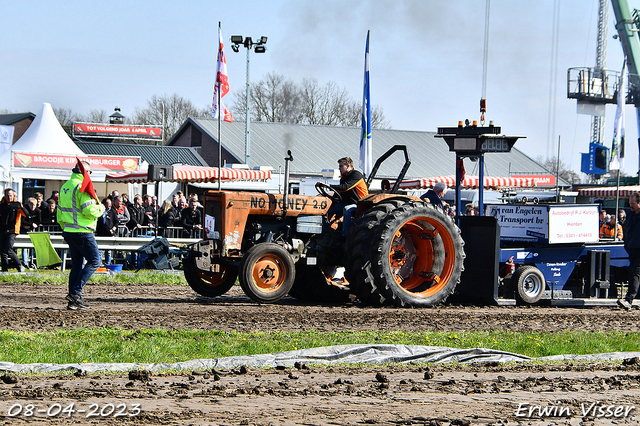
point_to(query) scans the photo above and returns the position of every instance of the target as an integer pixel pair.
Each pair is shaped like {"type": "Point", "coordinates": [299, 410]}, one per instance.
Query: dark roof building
{"type": "Point", "coordinates": [152, 154]}
{"type": "Point", "coordinates": [20, 122]}
{"type": "Point", "coordinates": [315, 148]}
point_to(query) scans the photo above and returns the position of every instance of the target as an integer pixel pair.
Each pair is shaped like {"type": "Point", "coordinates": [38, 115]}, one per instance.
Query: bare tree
{"type": "Point", "coordinates": [95, 116]}
{"type": "Point", "coordinates": [565, 173]}
{"type": "Point", "coordinates": [175, 108]}
{"type": "Point", "coordinates": [354, 116]}
{"type": "Point", "coordinates": [65, 116]}
{"type": "Point", "coordinates": [378, 120]}
{"type": "Point", "coordinates": [277, 99]}
{"type": "Point", "coordinates": [326, 105]}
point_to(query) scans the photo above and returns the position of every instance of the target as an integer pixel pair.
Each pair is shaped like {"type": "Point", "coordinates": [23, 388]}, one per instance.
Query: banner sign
{"type": "Point", "coordinates": [539, 180]}
{"type": "Point", "coordinates": [547, 224]}
{"type": "Point", "coordinates": [116, 131]}
{"type": "Point", "coordinates": [6, 138]}
{"type": "Point", "coordinates": [56, 161]}
{"type": "Point", "coordinates": [574, 224]}
{"type": "Point", "coordinates": [521, 222]}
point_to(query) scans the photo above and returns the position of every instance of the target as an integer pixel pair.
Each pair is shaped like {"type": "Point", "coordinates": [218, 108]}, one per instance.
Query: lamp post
{"type": "Point", "coordinates": [258, 47]}
{"type": "Point", "coordinates": [162, 131]}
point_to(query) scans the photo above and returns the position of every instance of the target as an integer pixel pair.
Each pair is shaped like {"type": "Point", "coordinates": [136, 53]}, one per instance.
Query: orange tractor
{"type": "Point", "coordinates": [399, 249]}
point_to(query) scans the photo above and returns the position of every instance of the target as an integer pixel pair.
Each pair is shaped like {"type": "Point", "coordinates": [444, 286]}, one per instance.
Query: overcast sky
{"type": "Point", "coordinates": [426, 59]}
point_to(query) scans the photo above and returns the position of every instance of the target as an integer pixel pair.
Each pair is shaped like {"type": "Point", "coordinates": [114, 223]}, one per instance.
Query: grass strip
{"type": "Point", "coordinates": [53, 277]}
{"type": "Point", "coordinates": [160, 345]}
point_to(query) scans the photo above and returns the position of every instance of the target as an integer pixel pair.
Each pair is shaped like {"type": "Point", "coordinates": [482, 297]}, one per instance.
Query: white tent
{"type": "Point", "coordinates": [45, 135]}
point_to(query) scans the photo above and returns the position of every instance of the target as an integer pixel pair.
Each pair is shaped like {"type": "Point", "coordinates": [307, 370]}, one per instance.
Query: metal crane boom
{"type": "Point", "coordinates": [595, 87]}
{"type": "Point", "coordinates": [597, 121]}
{"type": "Point", "coordinates": [628, 27]}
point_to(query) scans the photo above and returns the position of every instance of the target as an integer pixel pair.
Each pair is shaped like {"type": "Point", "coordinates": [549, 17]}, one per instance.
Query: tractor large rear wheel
{"type": "Point", "coordinates": [359, 245]}
{"type": "Point", "coordinates": [267, 273]}
{"type": "Point", "coordinates": [209, 284]}
{"type": "Point", "coordinates": [417, 257]}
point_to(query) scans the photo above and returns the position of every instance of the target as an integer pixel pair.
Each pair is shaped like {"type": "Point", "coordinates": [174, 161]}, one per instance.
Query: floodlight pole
{"type": "Point", "coordinates": [247, 121]}
{"type": "Point", "coordinates": [162, 132]}
{"type": "Point", "coordinates": [259, 47]}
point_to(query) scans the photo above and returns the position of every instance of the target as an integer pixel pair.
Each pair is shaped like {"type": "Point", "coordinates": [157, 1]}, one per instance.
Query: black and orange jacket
{"type": "Point", "coordinates": [11, 215]}
{"type": "Point", "coordinates": [608, 231]}
{"type": "Point", "coordinates": [29, 218]}
{"type": "Point", "coordinates": [352, 187]}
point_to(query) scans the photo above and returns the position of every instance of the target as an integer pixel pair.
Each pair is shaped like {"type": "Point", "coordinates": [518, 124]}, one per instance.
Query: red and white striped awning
{"type": "Point", "coordinates": [210, 174]}
{"type": "Point", "coordinates": [139, 176]}
{"type": "Point", "coordinates": [609, 192]}
{"type": "Point", "coordinates": [194, 174]}
{"type": "Point", "coordinates": [470, 182]}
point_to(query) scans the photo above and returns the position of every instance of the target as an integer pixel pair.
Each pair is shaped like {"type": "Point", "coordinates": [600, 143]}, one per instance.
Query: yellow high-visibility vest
{"type": "Point", "coordinates": [77, 211]}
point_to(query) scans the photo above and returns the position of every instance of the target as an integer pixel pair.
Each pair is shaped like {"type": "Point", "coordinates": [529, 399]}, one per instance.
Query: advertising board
{"type": "Point", "coordinates": [573, 224]}
{"type": "Point", "coordinates": [540, 180]}
{"type": "Point", "coordinates": [58, 161]}
{"type": "Point", "coordinates": [116, 131]}
{"type": "Point", "coordinates": [553, 224]}
{"type": "Point", "coordinates": [521, 222]}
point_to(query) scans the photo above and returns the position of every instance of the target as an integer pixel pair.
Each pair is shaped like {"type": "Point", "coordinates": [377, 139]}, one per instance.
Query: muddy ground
{"type": "Point", "coordinates": [583, 394]}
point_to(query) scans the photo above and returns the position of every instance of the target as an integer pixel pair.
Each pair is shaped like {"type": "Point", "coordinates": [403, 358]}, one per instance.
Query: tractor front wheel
{"type": "Point", "coordinates": [209, 284]}
{"type": "Point", "coordinates": [267, 273]}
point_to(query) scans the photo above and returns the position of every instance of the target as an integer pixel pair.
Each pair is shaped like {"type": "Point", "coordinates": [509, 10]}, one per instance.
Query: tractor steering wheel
{"type": "Point", "coordinates": [327, 191]}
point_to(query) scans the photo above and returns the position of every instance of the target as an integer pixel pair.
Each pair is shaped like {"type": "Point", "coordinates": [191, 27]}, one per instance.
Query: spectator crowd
{"type": "Point", "coordinates": [180, 217]}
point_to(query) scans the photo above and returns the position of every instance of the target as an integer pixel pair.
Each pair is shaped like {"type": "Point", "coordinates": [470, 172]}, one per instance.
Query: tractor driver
{"type": "Point", "coordinates": [352, 188]}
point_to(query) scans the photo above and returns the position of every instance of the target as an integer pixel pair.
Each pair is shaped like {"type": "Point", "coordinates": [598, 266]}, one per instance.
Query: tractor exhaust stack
{"type": "Point", "coordinates": [285, 199]}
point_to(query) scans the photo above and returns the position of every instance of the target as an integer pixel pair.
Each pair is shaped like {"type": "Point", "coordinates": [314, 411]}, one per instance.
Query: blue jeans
{"type": "Point", "coordinates": [82, 245]}
{"type": "Point", "coordinates": [108, 255]}
{"type": "Point", "coordinates": [634, 274]}
{"type": "Point", "coordinates": [8, 253]}
{"type": "Point", "coordinates": [347, 211]}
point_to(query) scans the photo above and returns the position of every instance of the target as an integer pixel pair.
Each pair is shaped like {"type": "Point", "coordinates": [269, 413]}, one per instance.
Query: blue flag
{"type": "Point", "coordinates": [365, 137]}
{"type": "Point", "coordinates": [617, 146]}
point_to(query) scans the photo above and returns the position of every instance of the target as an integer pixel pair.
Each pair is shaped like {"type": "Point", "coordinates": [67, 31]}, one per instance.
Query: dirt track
{"type": "Point", "coordinates": [315, 396]}
{"type": "Point", "coordinates": [175, 307]}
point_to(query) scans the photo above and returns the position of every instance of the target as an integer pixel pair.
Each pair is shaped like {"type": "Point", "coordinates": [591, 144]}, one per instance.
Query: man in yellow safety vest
{"type": "Point", "coordinates": [78, 211]}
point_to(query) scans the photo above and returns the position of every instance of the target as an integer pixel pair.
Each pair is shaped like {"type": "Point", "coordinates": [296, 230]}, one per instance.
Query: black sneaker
{"type": "Point", "coordinates": [76, 303]}
{"type": "Point", "coordinates": [624, 304]}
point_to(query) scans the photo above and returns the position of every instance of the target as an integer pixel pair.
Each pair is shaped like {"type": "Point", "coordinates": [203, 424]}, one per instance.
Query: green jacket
{"type": "Point", "coordinates": [77, 211]}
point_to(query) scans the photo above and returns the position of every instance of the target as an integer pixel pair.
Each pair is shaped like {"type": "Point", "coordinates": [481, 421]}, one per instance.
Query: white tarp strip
{"type": "Point", "coordinates": [329, 355]}
{"type": "Point", "coordinates": [611, 356]}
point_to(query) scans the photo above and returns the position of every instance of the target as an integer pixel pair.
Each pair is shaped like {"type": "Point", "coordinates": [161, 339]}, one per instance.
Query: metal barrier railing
{"type": "Point", "coordinates": [144, 231]}
{"type": "Point", "coordinates": [125, 240]}
{"type": "Point", "coordinates": [130, 244]}
{"type": "Point", "coordinates": [51, 229]}
{"type": "Point", "coordinates": [166, 232]}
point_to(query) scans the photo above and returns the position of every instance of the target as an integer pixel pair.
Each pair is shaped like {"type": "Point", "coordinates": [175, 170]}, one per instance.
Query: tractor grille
{"type": "Point", "coordinates": [213, 215]}
{"type": "Point", "coordinates": [309, 224]}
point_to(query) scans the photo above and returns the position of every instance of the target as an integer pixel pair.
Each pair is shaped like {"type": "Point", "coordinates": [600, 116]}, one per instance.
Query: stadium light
{"type": "Point", "coordinates": [258, 47]}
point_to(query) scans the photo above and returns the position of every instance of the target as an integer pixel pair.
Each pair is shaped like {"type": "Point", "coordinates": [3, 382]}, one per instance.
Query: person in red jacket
{"type": "Point", "coordinates": [11, 214]}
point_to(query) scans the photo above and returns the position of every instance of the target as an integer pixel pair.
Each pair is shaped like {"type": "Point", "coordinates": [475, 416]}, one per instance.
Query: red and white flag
{"type": "Point", "coordinates": [221, 87]}
{"type": "Point", "coordinates": [87, 184]}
